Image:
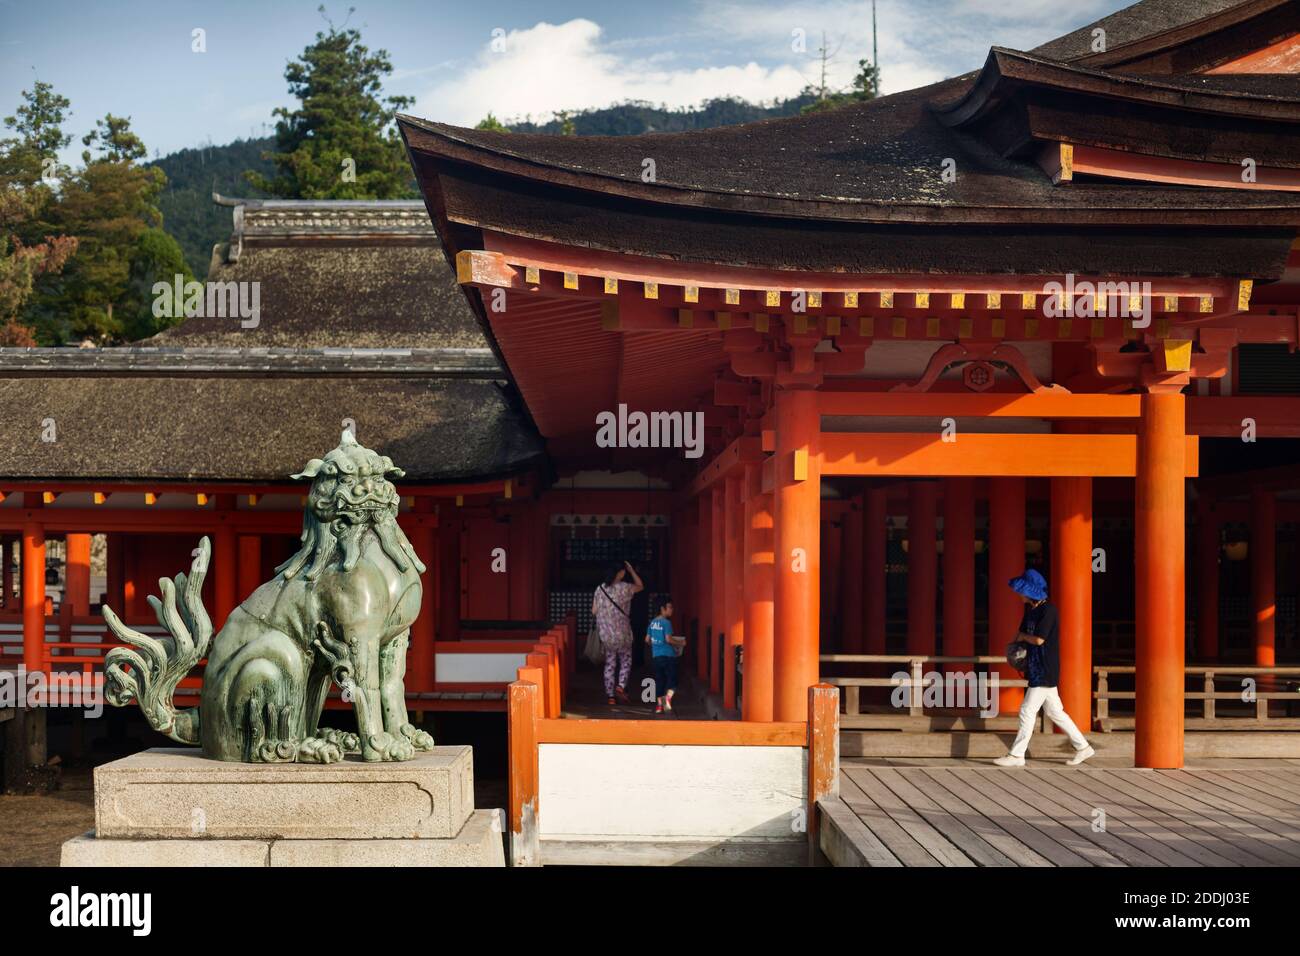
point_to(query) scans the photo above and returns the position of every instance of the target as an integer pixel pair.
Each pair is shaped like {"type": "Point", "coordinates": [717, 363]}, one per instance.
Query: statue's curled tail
{"type": "Point", "coordinates": [150, 669]}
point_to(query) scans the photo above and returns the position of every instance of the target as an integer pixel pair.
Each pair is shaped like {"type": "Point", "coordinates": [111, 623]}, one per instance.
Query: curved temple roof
{"type": "Point", "coordinates": [927, 172]}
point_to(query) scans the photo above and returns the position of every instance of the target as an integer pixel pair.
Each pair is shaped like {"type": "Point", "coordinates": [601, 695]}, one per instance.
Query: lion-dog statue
{"type": "Point", "coordinates": [340, 610]}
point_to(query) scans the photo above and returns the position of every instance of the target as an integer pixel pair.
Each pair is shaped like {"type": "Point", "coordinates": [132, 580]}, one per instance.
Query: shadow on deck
{"type": "Point", "coordinates": [954, 812]}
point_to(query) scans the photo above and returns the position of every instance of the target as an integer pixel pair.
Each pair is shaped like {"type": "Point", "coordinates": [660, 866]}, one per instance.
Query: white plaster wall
{"type": "Point", "coordinates": [478, 668]}
{"type": "Point", "coordinates": [639, 791]}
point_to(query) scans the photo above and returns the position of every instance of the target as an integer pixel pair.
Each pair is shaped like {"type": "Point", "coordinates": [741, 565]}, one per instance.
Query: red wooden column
{"type": "Point", "coordinates": [76, 576]}
{"type": "Point", "coordinates": [6, 573]}
{"type": "Point", "coordinates": [1006, 560]}
{"type": "Point", "coordinates": [33, 582]}
{"type": "Point", "coordinates": [449, 572]}
{"type": "Point", "coordinates": [797, 502]}
{"type": "Point", "coordinates": [1263, 574]}
{"type": "Point", "coordinates": [851, 574]}
{"type": "Point", "coordinates": [115, 559]}
{"type": "Point", "coordinates": [959, 568]}
{"type": "Point", "coordinates": [734, 578]}
{"type": "Point", "coordinates": [249, 574]}
{"type": "Point", "coordinates": [420, 658]}
{"type": "Point", "coordinates": [718, 557]}
{"type": "Point", "coordinates": [922, 565]}
{"type": "Point", "coordinates": [756, 700]}
{"type": "Point", "coordinates": [1159, 585]}
{"type": "Point", "coordinates": [224, 563]}
{"type": "Point", "coordinates": [1071, 589]}
{"type": "Point", "coordinates": [704, 586]}
{"type": "Point", "coordinates": [874, 546]}
{"type": "Point", "coordinates": [1207, 580]}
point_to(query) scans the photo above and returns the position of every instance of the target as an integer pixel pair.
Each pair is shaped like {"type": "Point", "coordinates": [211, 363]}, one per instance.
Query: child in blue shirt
{"type": "Point", "coordinates": [666, 648]}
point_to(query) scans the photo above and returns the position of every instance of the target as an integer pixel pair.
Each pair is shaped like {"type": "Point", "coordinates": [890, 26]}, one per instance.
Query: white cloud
{"type": "Point", "coordinates": [568, 66]}
{"type": "Point", "coordinates": [735, 48]}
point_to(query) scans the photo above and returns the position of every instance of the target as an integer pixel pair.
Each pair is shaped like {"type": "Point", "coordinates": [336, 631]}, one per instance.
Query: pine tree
{"type": "Point", "coordinates": [340, 142]}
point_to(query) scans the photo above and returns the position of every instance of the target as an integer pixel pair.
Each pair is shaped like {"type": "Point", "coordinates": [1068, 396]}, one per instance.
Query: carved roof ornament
{"type": "Point", "coordinates": [990, 355]}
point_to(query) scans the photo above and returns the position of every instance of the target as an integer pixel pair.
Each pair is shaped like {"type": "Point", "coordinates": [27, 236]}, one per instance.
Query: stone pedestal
{"type": "Point", "coordinates": [175, 807]}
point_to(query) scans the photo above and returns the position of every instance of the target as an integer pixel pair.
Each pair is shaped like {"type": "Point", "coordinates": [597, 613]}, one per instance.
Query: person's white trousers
{"type": "Point", "coordinates": [1049, 700]}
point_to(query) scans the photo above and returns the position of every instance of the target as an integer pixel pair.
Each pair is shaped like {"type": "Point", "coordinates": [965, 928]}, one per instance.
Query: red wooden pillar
{"type": "Point", "coordinates": [448, 572]}
{"type": "Point", "coordinates": [130, 573]}
{"type": "Point", "coordinates": [6, 573]}
{"type": "Point", "coordinates": [756, 700]}
{"type": "Point", "coordinates": [922, 565]}
{"type": "Point", "coordinates": [76, 577]}
{"type": "Point", "coordinates": [249, 574]}
{"type": "Point", "coordinates": [851, 574]}
{"type": "Point", "coordinates": [1160, 559]}
{"type": "Point", "coordinates": [115, 560]}
{"type": "Point", "coordinates": [874, 546]}
{"type": "Point", "coordinates": [734, 577]}
{"type": "Point", "coordinates": [718, 557]}
{"type": "Point", "coordinates": [1071, 589]}
{"type": "Point", "coordinates": [1006, 560]}
{"type": "Point", "coordinates": [1207, 580]}
{"type": "Point", "coordinates": [797, 501]}
{"type": "Point", "coordinates": [420, 660]}
{"type": "Point", "coordinates": [1263, 574]}
{"type": "Point", "coordinates": [33, 580]}
{"type": "Point", "coordinates": [704, 565]}
{"type": "Point", "coordinates": [959, 568]}
{"type": "Point", "coordinates": [684, 575]}
{"type": "Point", "coordinates": [225, 553]}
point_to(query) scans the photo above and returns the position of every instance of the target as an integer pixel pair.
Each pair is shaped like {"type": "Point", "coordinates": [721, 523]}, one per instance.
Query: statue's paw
{"type": "Point", "coordinates": [346, 742]}
{"type": "Point", "coordinates": [275, 751]}
{"type": "Point", "coordinates": [384, 746]}
{"type": "Point", "coordinates": [319, 750]}
{"type": "Point", "coordinates": [418, 738]}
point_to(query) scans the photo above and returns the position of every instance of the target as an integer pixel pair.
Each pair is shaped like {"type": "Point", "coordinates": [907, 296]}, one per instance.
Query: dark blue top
{"type": "Point", "coordinates": [1043, 667]}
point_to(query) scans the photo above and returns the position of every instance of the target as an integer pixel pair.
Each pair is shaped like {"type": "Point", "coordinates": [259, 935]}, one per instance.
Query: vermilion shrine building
{"type": "Point", "coordinates": [902, 406]}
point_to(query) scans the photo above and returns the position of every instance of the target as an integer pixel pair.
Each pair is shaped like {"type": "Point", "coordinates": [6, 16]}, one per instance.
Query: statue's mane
{"type": "Point", "coordinates": [323, 542]}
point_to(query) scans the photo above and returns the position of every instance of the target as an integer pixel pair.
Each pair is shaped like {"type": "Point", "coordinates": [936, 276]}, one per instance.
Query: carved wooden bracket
{"type": "Point", "coordinates": [991, 353]}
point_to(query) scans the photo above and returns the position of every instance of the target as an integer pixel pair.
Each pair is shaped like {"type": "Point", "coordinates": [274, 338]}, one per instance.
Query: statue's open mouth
{"type": "Point", "coordinates": [368, 509]}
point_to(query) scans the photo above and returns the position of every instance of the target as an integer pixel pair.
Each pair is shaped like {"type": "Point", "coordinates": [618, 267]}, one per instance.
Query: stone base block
{"type": "Point", "coordinates": [479, 843]}
{"type": "Point", "coordinates": [86, 850]}
{"type": "Point", "coordinates": [180, 794]}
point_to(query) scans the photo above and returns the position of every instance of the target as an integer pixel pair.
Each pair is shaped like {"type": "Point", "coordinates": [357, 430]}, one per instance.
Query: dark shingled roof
{"type": "Point", "coordinates": [239, 429]}
{"type": "Point", "coordinates": [336, 275]}
{"type": "Point", "coordinates": [1134, 23]}
{"type": "Point", "coordinates": [880, 160]}
{"type": "Point", "coordinates": [361, 318]}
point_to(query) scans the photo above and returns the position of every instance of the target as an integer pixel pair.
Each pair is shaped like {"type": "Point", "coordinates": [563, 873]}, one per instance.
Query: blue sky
{"type": "Point", "coordinates": [134, 57]}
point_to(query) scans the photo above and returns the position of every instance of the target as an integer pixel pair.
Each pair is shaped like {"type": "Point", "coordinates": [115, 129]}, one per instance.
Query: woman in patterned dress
{"type": "Point", "coordinates": [611, 605]}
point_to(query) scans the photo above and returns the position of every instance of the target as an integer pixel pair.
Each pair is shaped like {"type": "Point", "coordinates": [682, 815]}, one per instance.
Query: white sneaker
{"type": "Point", "coordinates": [1010, 761]}
{"type": "Point", "coordinates": [1080, 756]}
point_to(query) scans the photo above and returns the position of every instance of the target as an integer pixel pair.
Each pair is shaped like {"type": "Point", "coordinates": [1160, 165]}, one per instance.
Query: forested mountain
{"type": "Point", "coordinates": [193, 175]}
{"type": "Point", "coordinates": [630, 119]}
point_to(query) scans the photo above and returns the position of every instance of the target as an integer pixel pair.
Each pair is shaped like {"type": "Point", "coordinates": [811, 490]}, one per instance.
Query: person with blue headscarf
{"type": "Point", "coordinates": [1039, 633]}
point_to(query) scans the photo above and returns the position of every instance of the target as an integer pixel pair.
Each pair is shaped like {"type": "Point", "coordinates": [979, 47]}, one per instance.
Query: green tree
{"type": "Point", "coordinates": [108, 204]}
{"type": "Point", "coordinates": [490, 122]}
{"type": "Point", "coordinates": [341, 141]}
{"type": "Point", "coordinates": [28, 249]}
{"type": "Point", "coordinates": [157, 257]}
{"type": "Point", "coordinates": [862, 89]}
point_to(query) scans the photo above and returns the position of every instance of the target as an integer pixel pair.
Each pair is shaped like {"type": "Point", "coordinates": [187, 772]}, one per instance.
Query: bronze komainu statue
{"type": "Point", "coordinates": [339, 610]}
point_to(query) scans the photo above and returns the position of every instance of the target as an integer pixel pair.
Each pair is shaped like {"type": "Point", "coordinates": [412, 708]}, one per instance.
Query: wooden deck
{"type": "Point", "coordinates": [956, 813]}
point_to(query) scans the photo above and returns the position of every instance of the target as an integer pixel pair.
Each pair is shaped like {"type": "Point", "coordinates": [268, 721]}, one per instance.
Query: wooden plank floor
{"type": "Point", "coordinates": [962, 813]}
